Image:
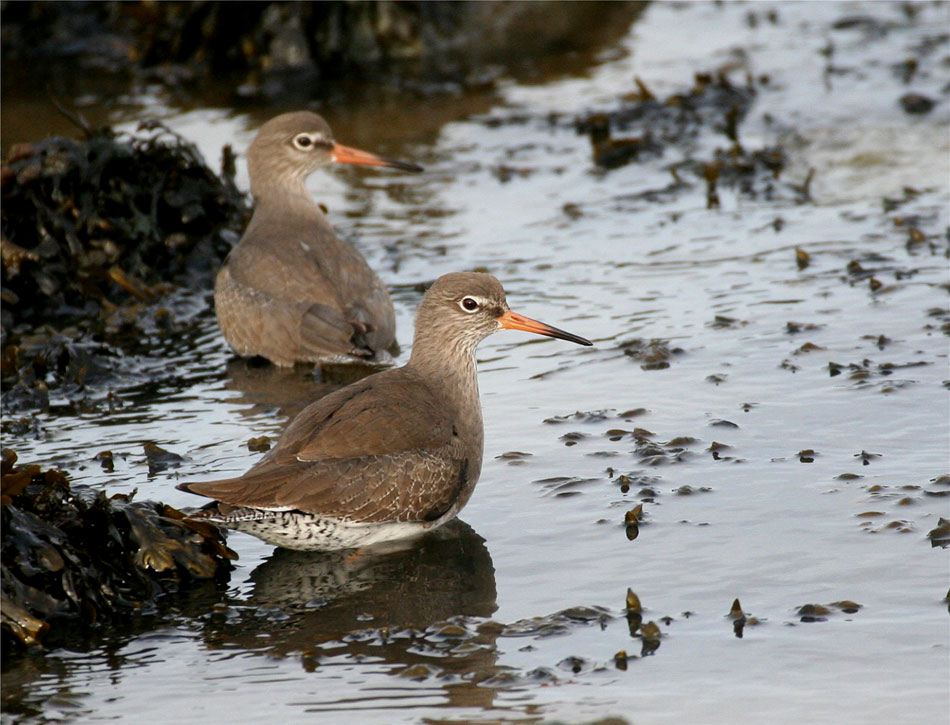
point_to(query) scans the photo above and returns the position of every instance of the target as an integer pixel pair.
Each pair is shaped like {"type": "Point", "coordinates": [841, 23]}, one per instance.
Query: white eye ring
{"type": "Point", "coordinates": [305, 142]}
{"type": "Point", "coordinates": [469, 304]}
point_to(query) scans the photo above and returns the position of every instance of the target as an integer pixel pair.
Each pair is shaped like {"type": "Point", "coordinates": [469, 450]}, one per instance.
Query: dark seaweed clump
{"type": "Point", "coordinates": [87, 225]}
{"type": "Point", "coordinates": [73, 557]}
{"type": "Point", "coordinates": [644, 127]}
{"type": "Point", "coordinates": [93, 233]}
{"type": "Point", "coordinates": [275, 48]}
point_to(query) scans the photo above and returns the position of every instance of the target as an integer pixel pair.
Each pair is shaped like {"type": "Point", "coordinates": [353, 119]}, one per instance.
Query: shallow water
{"type": "Point", "coordinates": [517, 614]}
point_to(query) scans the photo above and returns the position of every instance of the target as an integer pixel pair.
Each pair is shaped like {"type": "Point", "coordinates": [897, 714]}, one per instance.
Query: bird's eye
{"type": "Point", "coordinates": [303, 141]}
{"type": "Point", "coordinates": [469, 304]}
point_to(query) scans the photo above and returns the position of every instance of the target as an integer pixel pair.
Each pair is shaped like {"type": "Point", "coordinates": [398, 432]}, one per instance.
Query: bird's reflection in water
{"type": "Point", "coordinates": [390, 605]}
{"type": "Point", "coordinates": [265, 387]}
{"type": "Point", "coordinates": [413, 583]}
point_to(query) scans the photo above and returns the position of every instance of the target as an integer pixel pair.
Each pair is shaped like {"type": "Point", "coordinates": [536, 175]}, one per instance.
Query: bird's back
{"type": "Point", "coordinates": [292, 290]}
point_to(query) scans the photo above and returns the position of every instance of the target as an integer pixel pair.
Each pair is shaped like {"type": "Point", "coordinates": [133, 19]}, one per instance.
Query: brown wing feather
{"type": "Point", "coordinates": [409, 486]}
{"type": "Point", "coordinates": [313, 294]}
{"type": "Point", "coordinates": [386, 413]}
{"type": "Point", "coordinates": [378, 450]}
{"type": "Point", "coordinates": [254, 323]}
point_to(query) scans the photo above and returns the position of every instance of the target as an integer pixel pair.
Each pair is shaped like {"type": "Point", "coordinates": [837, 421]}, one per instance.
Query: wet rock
{"type": "Point", "coordinates": [735, 611]}
{"type": "Point", "coordinates": [73, 557]}
{"type": "Point", "coordinates": [740, 620]}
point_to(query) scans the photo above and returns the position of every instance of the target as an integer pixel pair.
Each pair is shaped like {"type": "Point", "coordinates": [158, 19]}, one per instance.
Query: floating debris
{"type": "Point", "coordinates": [159, 459]}
{"type": "Point", "coordinates": [917, 103]}
{"type": "Point", "coordinates": [793, 328]}
{"type": "Point", "coordinates": [564, 486]}
{"type": "Point", "coordinates": [821, 612]}
{"type": "Point", "coordinates": [633, 602]}
{"type": "Point", "coordinates": [720, 322]}
{"type": "Point", "coordinates": [866, 457]}
{"type": "Point", "coordinates": [717, 449]}
{"type": "Point", "coordinates": [940, 534]}
{"type": "Point", "coordinates": [741, 620]}
{"type": "Point", "coordinates": [807, 348]}
{"type": "Point", "coordinates": [572, 664]}
{"type": "Point", "coordinates": [738, 618]}
{"type": "Point", "coordinates": [802, 258]}
{"type": "Point", "coordinates": [573, 438]}
{"type": "Point", "coordinates": [687, 490]}
{"type": "Point", "coordinates": [593, 416]}
{"type": "Point", "coordinates": [650, 635]}
{"type": "Point", "coordinates": [653, 354]}
{"type": "Point", "coordinates": [259, 444]}
{"type": "Point", "coordinates": [735, 611]}
{"type": "Point", "coordinates": [555, 624]}
{"type": "Point", "coordinates": [634, 516]}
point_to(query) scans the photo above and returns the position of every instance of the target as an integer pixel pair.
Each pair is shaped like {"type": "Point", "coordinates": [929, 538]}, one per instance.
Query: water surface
{"type": "Point", "coordinates": [791, 452]}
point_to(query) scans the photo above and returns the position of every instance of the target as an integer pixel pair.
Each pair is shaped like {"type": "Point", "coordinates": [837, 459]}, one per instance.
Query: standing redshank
{"type": "Point", "coordinates": [292, 290]}
{"type": "Point", "coordinates": [390, 456]}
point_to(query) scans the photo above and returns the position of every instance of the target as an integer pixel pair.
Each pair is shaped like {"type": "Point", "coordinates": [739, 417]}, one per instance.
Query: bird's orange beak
{"type": "Point", "coordinates": [346, 155]}
{"type": "Point", "coordinates": [513, 321]}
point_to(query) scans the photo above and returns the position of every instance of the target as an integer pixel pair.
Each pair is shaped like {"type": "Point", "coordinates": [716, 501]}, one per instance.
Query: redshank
{"type": "Point", "coordinates": [292, 290]}
{"type": "Point", "coordinates": [390, 456]}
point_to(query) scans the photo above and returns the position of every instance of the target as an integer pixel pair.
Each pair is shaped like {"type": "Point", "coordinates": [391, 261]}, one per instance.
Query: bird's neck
{"type": "Point", "coordinates": [452, 370]}
{"type": "Point", "coordinates": [287, 198]}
